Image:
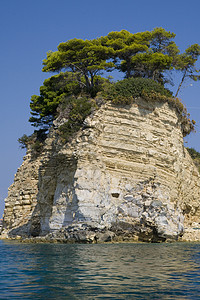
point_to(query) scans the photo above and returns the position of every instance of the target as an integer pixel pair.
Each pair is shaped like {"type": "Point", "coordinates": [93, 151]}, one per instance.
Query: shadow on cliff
{"type": "Point", "coordinates": [58, 170]}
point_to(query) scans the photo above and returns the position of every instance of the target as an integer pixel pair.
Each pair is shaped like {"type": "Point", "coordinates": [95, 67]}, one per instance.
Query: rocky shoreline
{"type": "Point", "coordinates": [82, 233]}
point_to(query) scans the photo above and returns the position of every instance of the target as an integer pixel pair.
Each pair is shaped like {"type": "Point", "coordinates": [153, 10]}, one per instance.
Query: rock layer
{"type": "Point", "coordinates": [125, 176]}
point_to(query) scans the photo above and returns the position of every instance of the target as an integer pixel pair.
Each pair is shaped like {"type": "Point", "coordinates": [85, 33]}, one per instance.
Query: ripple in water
{"type": "Point", "coordinates": [99, 271]}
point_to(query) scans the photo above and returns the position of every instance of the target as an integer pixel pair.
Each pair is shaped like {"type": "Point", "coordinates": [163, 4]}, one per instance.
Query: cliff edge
{"type": "Point", "coordinates": [125, 176]}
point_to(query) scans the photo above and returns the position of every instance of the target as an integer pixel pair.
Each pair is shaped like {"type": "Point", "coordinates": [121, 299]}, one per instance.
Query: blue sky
{"type": "Point", "coordinates": [29, 28]}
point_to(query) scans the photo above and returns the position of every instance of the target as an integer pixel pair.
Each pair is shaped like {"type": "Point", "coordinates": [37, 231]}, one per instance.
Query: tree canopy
{"type": "Point", "coordinates": [185, 63]}
{"type": "Point", "coordinates": [80, 63]}
{"type": "Point", "coordinates": [53, 91]}
{"type": "Point", "coordinates": [83, 58]}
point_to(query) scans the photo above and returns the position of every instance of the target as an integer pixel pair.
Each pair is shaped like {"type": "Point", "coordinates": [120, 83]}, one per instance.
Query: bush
{"type": "Point", "coordinates": [193, 153]}
{"type": "Point", "coordinates": [195, 156]}
{"type": "Point", "coordinates": [132, 88]}
{"type": "Point", "coordinates": [77, 109]}
{"type": "Point", "coordinates": [24, 141]}
{"type": "Point", "coordinates": [123, 93]}
{"type": "Point", "coordinates": [34, 142]}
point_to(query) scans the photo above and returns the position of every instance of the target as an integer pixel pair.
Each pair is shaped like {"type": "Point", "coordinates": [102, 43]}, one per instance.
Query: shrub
{"type": "Point", "coordinates": [24, 141]}
{"type": "Point", "coordinates": [187, 125]}
{"type": "Point", "coordinates": [123, 92]}
{"type": "Point", "coordinates": [195, 156]}
{"type": "Point", "coordinates": [77, 109]}
{"type": "Point", "coordinates": [34, 142]}
{"type": "Point", "coordinates": [193, 153]}
{"type": "Point", "coordinates": [132, 88]}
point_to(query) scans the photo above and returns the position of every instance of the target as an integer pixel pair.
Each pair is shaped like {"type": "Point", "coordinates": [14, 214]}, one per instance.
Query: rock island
{"type": "Point", "coordinates": [108, 163]}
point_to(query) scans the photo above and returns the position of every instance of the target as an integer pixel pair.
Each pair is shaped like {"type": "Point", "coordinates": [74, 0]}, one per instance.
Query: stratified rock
{"type": "Point", "coordinates": [125, 176]}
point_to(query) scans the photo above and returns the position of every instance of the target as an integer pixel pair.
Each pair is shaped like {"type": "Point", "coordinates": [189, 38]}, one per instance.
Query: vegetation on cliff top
{"type": "Point", "coordinates": [147, 60]}
{"type": "Point", "coordinates": [195, 156]}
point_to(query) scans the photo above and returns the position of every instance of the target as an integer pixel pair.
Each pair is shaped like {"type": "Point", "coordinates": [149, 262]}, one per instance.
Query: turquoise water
{"type": "Point", "coordinates": [99, 271]}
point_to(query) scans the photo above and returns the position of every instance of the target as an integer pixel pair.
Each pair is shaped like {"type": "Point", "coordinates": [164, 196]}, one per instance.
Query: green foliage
{"type": "Point", "coordinates": [100, 83]}
{"type": "Point", "coordinates": [125, 46]}
{"type": "Point", "coordinates": [24, 141]}
{"type": "Point", "coordinates": [53, 91]}
{"type": "Point", "coordinates": [144, 54]}
{"type": "Point", "coordinates": [146, 59]}
{"type": "Point", "coordinates": [37, 148]}
{"type": "Point", "coordinates": [122, 92]}
{"type": "Point", "coordinates": [187, 125]}
{"type": "Point", "coordinates": [149, 65]}
{"type": "Point", "coordinates": [161, 41]}
{"type": "Point", "coordinates": [148, 54]}
{"type": "Point", "coordinates": [77, 109]}
{"type": "Point", "coordinates": [195, 156]}
{"type": "Point", "coordinates": [185, 63]}
{"type": "Point", "coordinates": [84, 58]}
{"type": "Point", "coordinates": [159, 57]}
{"type": "Point", "coordinates": [193, 153]}
{"type": "Point", "coordinates": [163, 52]}
{"type": "Point", "coordinates": [34, 142]}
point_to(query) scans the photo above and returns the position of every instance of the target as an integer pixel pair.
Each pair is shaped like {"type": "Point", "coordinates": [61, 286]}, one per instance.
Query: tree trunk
{"type": "Point", "coordinates": [128, 72]}
{"type": "Point", "coordinates": [88, 82]}
{"type": "Point", "coordinates": [182, 80]}
{"type": "Point", "coordinates": [154, 75]}
{"type": "Point", "coordinates": [92, 81]}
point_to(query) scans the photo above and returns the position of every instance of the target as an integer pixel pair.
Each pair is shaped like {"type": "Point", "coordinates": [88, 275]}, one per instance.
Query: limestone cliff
{"type": "Point", "coordinates": [125, 176]}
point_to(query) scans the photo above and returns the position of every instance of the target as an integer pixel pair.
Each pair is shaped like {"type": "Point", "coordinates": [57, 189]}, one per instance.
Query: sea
{"type": "Point", "coordinates": [99, 271]}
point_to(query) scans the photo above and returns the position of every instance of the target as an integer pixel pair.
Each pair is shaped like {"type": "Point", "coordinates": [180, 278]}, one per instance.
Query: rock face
{"type": "Point", "coordinates": [125, 176]}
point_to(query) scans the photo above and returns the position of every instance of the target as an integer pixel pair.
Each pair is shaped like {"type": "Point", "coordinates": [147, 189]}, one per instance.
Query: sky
{"type": "Point", "coordinates": [30, 28]}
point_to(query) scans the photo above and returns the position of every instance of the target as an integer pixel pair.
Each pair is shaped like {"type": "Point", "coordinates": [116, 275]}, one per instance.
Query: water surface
{"type": "Point", "coordinates": [99, 271]}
